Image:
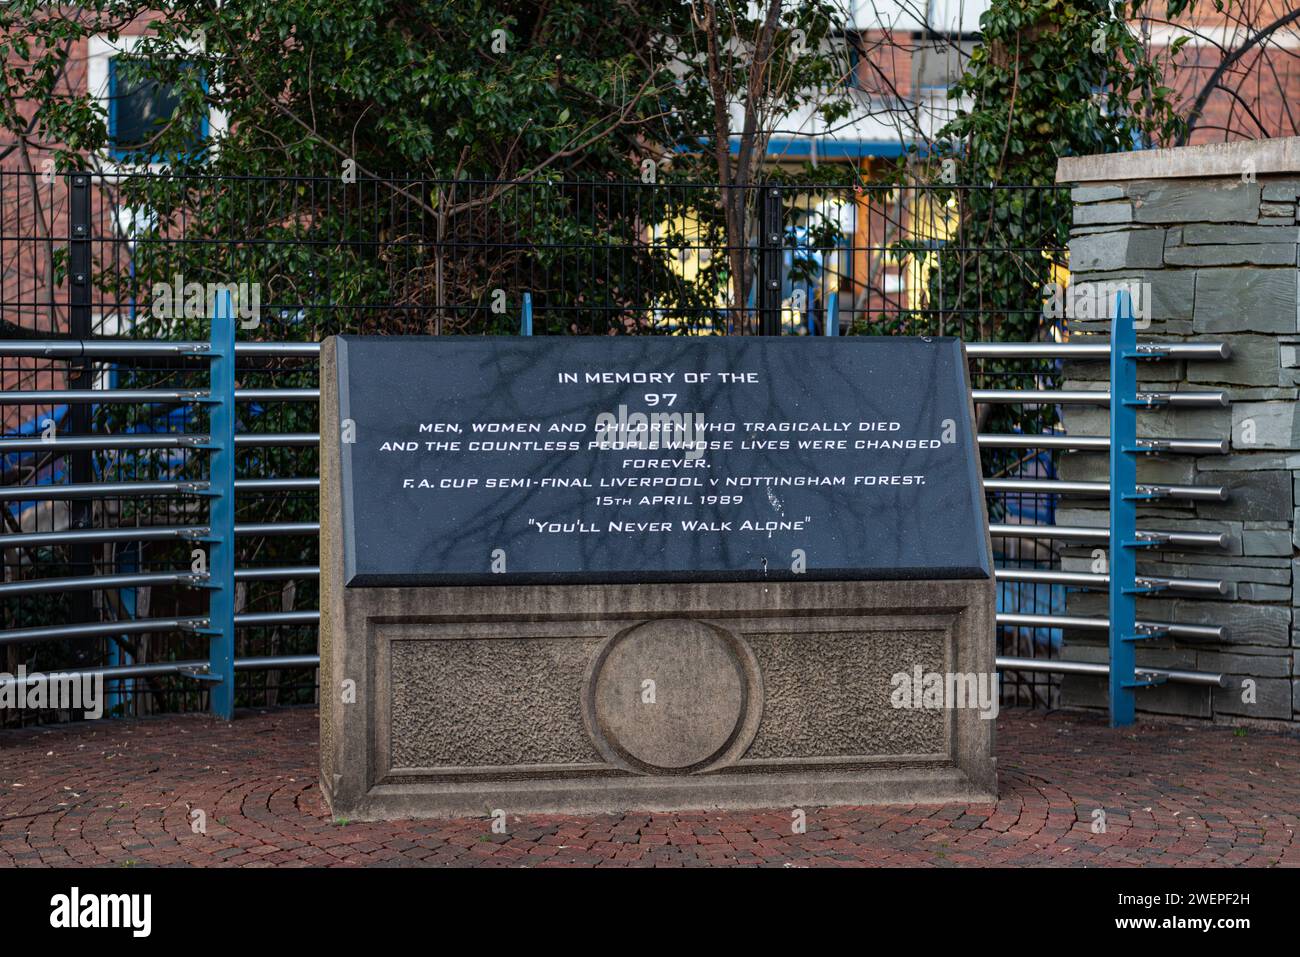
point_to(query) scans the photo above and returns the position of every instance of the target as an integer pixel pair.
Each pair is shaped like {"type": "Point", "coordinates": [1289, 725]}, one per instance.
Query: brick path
{"type": "Point", "coordinates": [124, 793]}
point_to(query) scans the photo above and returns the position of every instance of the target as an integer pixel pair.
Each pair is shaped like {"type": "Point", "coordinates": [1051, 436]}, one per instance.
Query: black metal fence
{"type": "Point", "coordinates": [136, 255]}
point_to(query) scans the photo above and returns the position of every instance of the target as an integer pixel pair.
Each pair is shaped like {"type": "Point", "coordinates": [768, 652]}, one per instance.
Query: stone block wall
{"type": "Point", "coordinates": [1211, 234]}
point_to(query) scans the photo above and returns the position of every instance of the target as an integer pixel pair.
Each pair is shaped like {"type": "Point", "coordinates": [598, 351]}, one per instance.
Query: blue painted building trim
{"type": "Point", "coordinates": [801, 148]}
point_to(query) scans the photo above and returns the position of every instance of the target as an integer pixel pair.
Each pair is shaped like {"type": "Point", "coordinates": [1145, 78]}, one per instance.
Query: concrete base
{"type": "Point", "coordinates": [607, 698]}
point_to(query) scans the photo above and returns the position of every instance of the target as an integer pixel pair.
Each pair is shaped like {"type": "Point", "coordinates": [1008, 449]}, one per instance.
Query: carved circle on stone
{"type": "Point", "coordinates": [673, 696]}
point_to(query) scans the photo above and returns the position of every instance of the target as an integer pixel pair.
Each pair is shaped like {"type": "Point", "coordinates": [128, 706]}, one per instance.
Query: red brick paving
{"type": "Point", "coordinates": [123, 792]}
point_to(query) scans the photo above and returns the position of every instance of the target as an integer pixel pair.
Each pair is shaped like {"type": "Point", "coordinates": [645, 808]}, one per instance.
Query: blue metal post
{"type": "Point", "coordinates": [526, 321]}
{"type": "Point", "coordinates": [1123, 512]}
{"type": "Point", "coordinates": [831, 326]}
{"type": "Point", "coordinates": [221, 515]}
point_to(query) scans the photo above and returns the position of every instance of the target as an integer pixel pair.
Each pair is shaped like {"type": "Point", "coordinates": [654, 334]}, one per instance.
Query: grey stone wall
{"type": "Point", "coordinates": [1220, 255]}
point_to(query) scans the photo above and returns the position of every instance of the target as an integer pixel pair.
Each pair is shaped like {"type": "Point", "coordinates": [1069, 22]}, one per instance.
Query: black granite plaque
{"type": "Point", "coordinates": [591, 459]}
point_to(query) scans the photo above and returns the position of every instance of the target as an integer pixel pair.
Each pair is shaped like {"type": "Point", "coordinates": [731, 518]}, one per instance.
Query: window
{"type": "Point", "coordinates": [139, 109]}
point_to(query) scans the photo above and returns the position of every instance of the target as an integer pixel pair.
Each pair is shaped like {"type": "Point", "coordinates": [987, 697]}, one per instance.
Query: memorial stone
{"type": "Point", "coordinates": [597, 574]}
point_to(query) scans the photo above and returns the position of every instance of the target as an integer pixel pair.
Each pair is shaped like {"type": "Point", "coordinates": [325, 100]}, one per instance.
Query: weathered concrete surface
{"type": "Point", "coordinates": [447, 701]}
{"type": "Point", "coordinates": [1212, 160]}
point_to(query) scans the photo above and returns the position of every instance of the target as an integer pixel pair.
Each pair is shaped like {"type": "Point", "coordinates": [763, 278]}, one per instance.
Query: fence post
{"type": "Point", "coordinates": [1123, 512]}
{"type": "Point", "coordinates": [526, 319]}
{"type": "Point", "coordinates": [831, 326]}
{"type": "Point", "coordinates": [770, 258]}
{"type": "Point", "coordinates": [80, 470]}
{"type": "Point", "coordinates": [221, 517]}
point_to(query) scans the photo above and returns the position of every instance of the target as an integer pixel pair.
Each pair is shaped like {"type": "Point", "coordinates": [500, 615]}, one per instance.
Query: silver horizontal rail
{"type": "Point", "coordinates": [20, 493]}
{"type": "Point", "coordinates": [114, 673]}
{"type": "Point", "coordinates": [276, 485]}
{"type": "Point", "coordinates": [165, 669]}
{"type": "Point", "coordinates": [276, 573]}
{"type": "Point", "coordinates": [1080, 533]}
{"type": "Point", "coordinates": [277, 395]}
{"type": "Point", "coordinates": [23, 493]}
{"type": "Point", "coordinates": [146, 396]}
{"type": "Point", "coordinates": [1188, 400]}
{"type": "Point", "coordinates": [96, 582]}
{"type": "Point", "coordinates": [108, 629]}
{"type": "Point", "coordinates": [1183, 400]}
{"type": "Point", "coordinates": [1183, 446]}
{"type": "Point", "coordinates": [1086, 533]}
{"type": "Point", "coordinates": [273, 662]}
{"type": "Point", "coordinates": [305, 350]}
{"type": "Point", "coordinates": [117, 348]}
{"type": "Point", "coordinates": [1091, 350]}
{"type": "Point", "coordinates": [1052, 486]}
{"type": "Point", "coordinates": [1199, 493]}
{"type": "Point", "coordinates": [191, 623]}
{"type": "Point", "coordinates": [1048, 577]}
{"type": "Point", "coordinates": [1041, 396]}
{"type": "Point", "coordinates": [145, 533]}
{"type": "Point", "coordinates": [151, 534]}
{"type": "Point", "coordinates": [1095, 580]}
{"type": "Point", "coordinates": [103, 629]}
{"type": "Point", "coordinates": [1184, 350]}
{"type": "Point", "coordinates": [1012, 619]}
{"type": "Point", "coordinates": [261, 619]}
{"type": "Point", "coordinates": [1211, 586]}
{"type": "Point", "coordinates": [278, 528]}
{"type": "Point", "coordinates": [1101, 443]}
{"type": "Point", "coordinates": [275, 440]}
{"type": "Point", "coordinates": [1158, 537]}
{"type": "Point", "coordinates": [1079, 622]}
{"type": "Point", "coordinates": [74, 443]}
{"type": "Point", "coordinates": [1044, 441]}
{"type": "Point", "coordinates": [1209, 679]}
{"type": "Point", "coordinates": [102, 396]}
{"type": "Point", "coordinates": [100, 348]}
